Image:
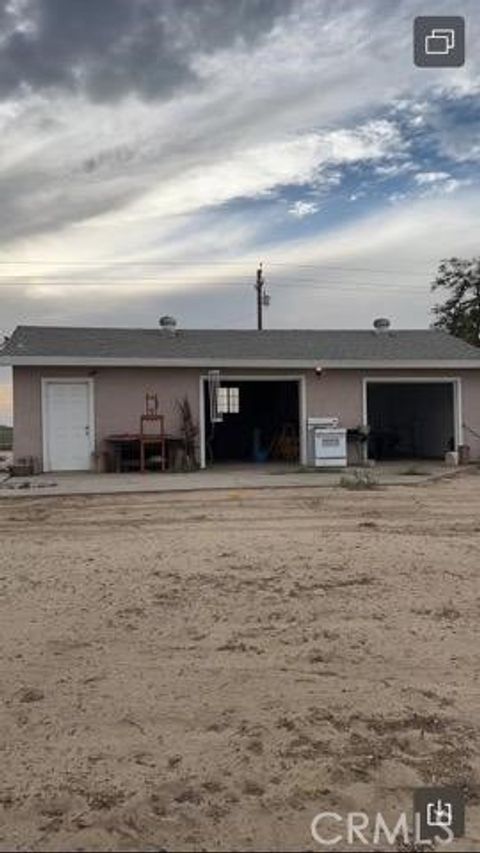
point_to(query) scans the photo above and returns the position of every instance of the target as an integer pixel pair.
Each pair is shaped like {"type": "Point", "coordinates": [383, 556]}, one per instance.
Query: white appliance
{"type": "Point", "coordinates": [328, 443]}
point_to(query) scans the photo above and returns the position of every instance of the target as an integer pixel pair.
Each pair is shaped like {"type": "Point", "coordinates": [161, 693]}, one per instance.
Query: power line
{"type": "Point", "coordinates": [176, 276]}
{"type": "Point", "coordinates": [197, 263]}
{"type": "Point", "coordinates": [298, 284]}
{"type": "Point", "coordinates": [237, 281]}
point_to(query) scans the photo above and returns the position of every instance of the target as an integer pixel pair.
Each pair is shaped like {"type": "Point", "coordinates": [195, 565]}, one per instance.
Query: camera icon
{"type": "Point", "coordinates": [439, 41]}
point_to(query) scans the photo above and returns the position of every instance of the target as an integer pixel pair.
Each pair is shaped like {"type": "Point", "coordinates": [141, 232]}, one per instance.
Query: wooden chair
{"type": "Point", "coordinates": [152, 432]}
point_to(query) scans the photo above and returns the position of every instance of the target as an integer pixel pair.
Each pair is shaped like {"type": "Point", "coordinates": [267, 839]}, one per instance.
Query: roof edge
{"type": "Point", "coordinates": [206, 363]}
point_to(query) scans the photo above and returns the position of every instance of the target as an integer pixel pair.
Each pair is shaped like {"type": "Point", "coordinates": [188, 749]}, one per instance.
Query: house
{"type": "Point", "coordinates": [417, 390]}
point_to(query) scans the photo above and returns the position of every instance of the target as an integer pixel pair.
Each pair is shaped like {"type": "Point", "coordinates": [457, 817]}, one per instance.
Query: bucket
{"type": "Point", "coordinates": [451, 458]}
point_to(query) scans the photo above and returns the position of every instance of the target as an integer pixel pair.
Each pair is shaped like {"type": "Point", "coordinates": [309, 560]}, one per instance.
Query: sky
{"type": "Point", "coordinates": [152, 153]}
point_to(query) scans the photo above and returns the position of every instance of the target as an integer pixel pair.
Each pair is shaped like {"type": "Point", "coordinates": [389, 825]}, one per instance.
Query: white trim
{"type": "Point", "coordinates": [201, 397]}
{"type": "Point", "coordinates": [364, 417]}
{"type": "Point", "coordinates": [248, 377]}
{"type": "Point", "coordinates": [455, 381]}
{"type": "Point", "coordinates": [458, 411]}
{"type": "Point", "coordinates": [302, 426]}
{"type": "Point", "coordinates": [292, 364]}
{"type": "Point", "coordinates": [69, 380]}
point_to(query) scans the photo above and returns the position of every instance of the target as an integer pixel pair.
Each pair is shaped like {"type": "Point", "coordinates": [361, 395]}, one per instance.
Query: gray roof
{"type": "Point", "coordinates": [76, 345]}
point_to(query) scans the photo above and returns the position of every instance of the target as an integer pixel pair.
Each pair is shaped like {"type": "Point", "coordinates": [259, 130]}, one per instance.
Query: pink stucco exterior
{"type": "Point", "coordinates": [119, 397]}
{"type": "Point", "coordinates": [341, 392]}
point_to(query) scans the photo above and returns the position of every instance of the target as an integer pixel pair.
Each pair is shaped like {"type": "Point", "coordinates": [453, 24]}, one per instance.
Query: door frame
{"type": "Point", "coordinates": [454, 381]}
{"type": "Point", "coordinates": [66, 380]}
{"type": "Point", "coordinates": [263, 377]}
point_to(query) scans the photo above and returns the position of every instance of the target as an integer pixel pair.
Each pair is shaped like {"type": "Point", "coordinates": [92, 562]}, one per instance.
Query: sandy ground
{"type": "Point", "coordinates": [209, 671]}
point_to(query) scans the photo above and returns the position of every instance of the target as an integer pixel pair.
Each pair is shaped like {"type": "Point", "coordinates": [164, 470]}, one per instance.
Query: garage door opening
{"type": "Point", "coordinates": [259, 421]}
{"type": "Point", "coordinates": [410, 420]}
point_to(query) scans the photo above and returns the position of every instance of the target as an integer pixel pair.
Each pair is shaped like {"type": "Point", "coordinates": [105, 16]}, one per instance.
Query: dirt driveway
{"type": "Point", "coordinates": [208, 671]}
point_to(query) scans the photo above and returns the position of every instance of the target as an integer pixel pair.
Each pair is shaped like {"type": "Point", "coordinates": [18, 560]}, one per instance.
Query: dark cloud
{"type": "Point", "coordinates": [33, 203]}
{"type": "Point", "coordinates": [108, 48]}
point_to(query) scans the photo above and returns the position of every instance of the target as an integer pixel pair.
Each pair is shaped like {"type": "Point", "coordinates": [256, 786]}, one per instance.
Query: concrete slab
{"type": "Point", "coordinates": [222, 477]}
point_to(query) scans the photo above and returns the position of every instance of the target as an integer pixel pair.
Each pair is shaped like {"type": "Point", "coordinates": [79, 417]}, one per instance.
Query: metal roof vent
{"type": "Point", "coordinates": [168, 323]}
{"type": "Point", "coordinates": [381, 324]}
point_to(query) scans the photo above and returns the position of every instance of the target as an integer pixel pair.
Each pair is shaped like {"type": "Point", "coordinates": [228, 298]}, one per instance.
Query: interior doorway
{"type": "Point", "coordinates": [411, 420]}
{"type": "Point", "coordinates": [260, 421]}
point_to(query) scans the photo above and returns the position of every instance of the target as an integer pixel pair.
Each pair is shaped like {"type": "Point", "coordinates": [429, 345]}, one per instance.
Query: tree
{"type": "Point", "coordinates": [459, 314]}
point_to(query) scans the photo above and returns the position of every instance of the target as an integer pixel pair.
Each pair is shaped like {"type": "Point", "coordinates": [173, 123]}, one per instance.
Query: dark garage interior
{"type": "Point", "coordinates": [266, 427]}
{"type": "Point", "coordinates": [410, 420]}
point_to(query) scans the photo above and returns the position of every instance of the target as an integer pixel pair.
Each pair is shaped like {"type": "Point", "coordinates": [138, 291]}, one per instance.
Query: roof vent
{"type": "Point", "coordinates": [168, 323]}
{"type": "Point", "coordinates": [381, 324]}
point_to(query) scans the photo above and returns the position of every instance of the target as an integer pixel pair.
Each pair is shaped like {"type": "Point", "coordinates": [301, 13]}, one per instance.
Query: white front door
{"type": "Point", "coordinates": [68, 427]}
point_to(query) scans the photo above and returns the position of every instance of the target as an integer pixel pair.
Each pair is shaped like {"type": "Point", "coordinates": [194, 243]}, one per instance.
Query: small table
{"type": "Point", "coordinates": [128, 444]}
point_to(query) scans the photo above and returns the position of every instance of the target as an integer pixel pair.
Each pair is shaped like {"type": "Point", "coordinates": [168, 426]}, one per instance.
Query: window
{"type": "Point", "coordinates": [228, 401]}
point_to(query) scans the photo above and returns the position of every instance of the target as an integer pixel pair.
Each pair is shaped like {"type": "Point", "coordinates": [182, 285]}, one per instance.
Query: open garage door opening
{"type": "Point", "coordinates": [258, 421]}
{"type": "Point", "coordinates": [410, 420]}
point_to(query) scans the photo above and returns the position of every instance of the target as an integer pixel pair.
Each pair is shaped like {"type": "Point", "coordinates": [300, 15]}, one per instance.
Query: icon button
{"type": "Point", "coordinates": [439, 41]}
{"type": "Point", "coordinates": [439, 813]}
{"type": "Point", "coordinates": [439, 809]}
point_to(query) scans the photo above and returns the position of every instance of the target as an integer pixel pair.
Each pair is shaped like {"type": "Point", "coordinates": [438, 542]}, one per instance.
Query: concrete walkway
{"type": "Point", "coordinates": [222, 477]}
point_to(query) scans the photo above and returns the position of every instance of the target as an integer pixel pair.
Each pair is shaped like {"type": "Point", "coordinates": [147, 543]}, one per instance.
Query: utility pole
{"type": "Point", "coordinates": [263, 299]}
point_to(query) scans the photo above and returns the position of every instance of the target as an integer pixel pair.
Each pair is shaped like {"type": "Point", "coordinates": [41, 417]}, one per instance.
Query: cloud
{"type": "Point", "coordinates": [451, 122]}
{"type": "Point", "coordinates": [259, 170]}
{"type": "Point", "coordinates": [264, 92]}
{"type": "Point", "coordinates": [382, 264]}
{"type": "Point", "coordinates": [134, 132]}
{"type": "Point", "coordinates": [110, 48]}
{"type": "Point", "coordinates": [430, 177]}
{"type": "Point", "coordinates": [392, 170]}
{"type": "Point", "coordinates": [440, 183]}
{"type": "Point", "coordinates": [300, 209]}
{"type": "Point", "coordinates": [51, 176]}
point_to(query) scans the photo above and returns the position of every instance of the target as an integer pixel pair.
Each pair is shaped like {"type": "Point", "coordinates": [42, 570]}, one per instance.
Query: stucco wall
{"type": "Point", "coordinates": [120, 398]}
{"type": "Point", "coordinates": [340, 393]}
